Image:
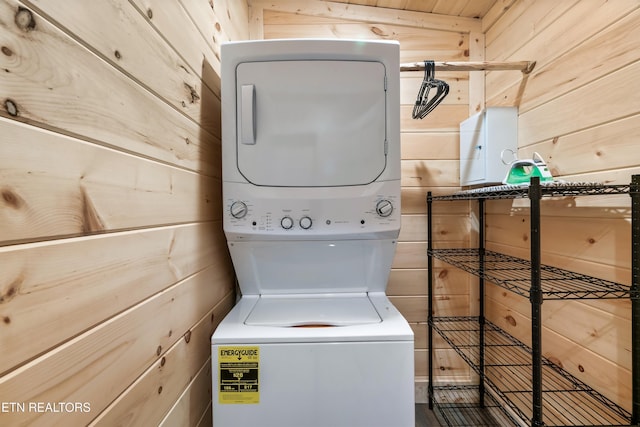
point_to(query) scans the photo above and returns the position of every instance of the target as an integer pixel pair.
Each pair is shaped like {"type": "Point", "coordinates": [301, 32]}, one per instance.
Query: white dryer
{"type": "Point", "coordinates": [311, 189]}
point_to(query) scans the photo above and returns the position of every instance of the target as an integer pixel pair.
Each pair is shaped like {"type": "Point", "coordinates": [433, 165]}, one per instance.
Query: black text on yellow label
{"type": "Point", "coordinates": [239, 372]}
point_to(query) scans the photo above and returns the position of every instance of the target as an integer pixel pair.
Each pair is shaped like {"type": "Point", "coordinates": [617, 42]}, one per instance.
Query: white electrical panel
{"type": "Point", "coordinates": [483, 138]}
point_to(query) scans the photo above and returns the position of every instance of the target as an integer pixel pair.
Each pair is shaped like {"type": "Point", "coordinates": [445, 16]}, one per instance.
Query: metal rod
{"type": "Point", "coordinates": [634, 192]}
{"type": "Point", "coordinates": [525, 66]}
{"type": "Point", "coordinates": [535, 296]}
{"type": "Point", "coordinates": [481, 318]}
{"type": "Point", "coordinates": [430, 297]}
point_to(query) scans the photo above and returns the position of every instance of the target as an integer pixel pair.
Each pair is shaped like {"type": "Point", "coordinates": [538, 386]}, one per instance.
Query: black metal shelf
{"type": "Point", "coordinates": [507, 371]}
{"type": "Point", "coordinates": [551, 189]}
{"type": "Point", "coordinates": [534, 390]}
{"type": "Point", "coordinates": [514, 274]}
{"type": "Point", "coordinates": [460, 405]}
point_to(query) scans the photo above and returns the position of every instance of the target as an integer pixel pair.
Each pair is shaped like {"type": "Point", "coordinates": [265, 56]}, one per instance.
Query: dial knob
{"type": "Point", "coordinates": [286, 222]}
{"type": "Point", "coordinates": [238, 209]}
{"type": "Point", "coordinates": [305, 222]}
{"type": "Point", "coordinates": [384, 208]}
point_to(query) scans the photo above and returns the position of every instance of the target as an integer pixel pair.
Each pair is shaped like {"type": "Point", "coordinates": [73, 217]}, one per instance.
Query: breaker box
{"type": "Point", "coordinates": [483, 139]}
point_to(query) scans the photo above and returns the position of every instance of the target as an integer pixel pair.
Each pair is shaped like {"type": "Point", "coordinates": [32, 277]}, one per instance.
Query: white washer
{"type": "Point", "coordinates": [311, 189]}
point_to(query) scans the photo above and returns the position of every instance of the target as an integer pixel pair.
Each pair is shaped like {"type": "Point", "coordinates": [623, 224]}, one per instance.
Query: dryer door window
{"type": "Point", "coordinates": [311, 123]}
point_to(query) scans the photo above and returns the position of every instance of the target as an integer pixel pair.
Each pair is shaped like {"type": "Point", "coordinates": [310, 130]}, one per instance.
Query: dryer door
{"type": "Point", "coordinates": [311, 123]}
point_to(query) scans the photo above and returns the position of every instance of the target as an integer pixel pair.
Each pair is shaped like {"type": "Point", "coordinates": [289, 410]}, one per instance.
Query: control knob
{"type": "Point", "coordinates": [384, 208]}
{"type": "Point", "coordinates": [305, 222]}
{"type": "Point", "coordinates": [238, 209]}
{"type": "Point", "coordinates": [286, 222]}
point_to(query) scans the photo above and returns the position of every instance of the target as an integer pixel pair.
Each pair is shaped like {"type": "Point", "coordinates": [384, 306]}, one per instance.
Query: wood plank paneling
{"type": "Point", "coordinates": [232, 15]}
{"type": "Point", "coordinates": [445, 118]}
{"type": "Point", "coordinates": [410, 255]}
{"type": "Point", "coordinates": [111, 242]}
{"type": "Point", "coordinates": [169, 380]}
{"type": "Point", "coordinates": [584, 130]}
{"type": "Point", "coordinates": [432, 146]}
{"type": "Point", "coordinates": [608, 146]}
{"type": "Point", "coordinates": [587, 41]}
{"type": "Point", "coordinates": [497, 10]}
{"type": "Point", "coordinates": [521, 24]}
{"type": "Point", "coordinates": [448, 365]}
{"type": "Point", "coordinates": [96, 189]}
{"type": "Point", "coordinates": [603, 332]}
{"type": "Point", "coordinates": [82, 282]}
{"type": "Point", "coordinates": [576, 111]}
{"type": "Point", "coordinates": [175, 22]}
{"type": "Point", "coordinates": [606, 241]}
{"type": "Point", "coordinates": [468, 8]}
{"type": "Point", "coordinates": [119, 42]}
{"type": "Point", "coordinates": [430, 173]}
{"type": "Point", "coordinates": [92, 366]}
{"type": "Point", "coordinates": [117, 112]}
{"type": "Point", "coordinates": [370, 14]}
{"type": "Point", "coordinates": [187, 409]}
{"type": "Point", "coordinates": [605, 375]}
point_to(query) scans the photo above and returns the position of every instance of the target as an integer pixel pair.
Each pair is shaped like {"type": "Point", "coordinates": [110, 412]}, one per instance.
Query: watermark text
{"type": "Point", "coordinates": [44, 407]}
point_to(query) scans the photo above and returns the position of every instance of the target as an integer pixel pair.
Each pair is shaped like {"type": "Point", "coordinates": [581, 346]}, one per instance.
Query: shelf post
{"type": "Point", "coordinates": [634, 192]}
{"type": "Point", "coordinates": [481, 317]}
{"type": "Point", "coordinates": [535, 195]}
{"type": "Point", "coordinates": [430, 297]}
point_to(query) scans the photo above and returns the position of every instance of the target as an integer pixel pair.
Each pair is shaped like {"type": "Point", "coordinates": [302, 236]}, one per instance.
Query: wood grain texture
{"type": "Point", "coordinates": [605, 375]}
{"type": "Point", "coordinates": [65, 187]}
{"type": "Point", "coordinates": [111, 243]}
{"type": "Point", "coordinates": [430, 173]}
{"type": "Point", "coordinates": [93, 366]}
{"type": "Point", "coordinates": [129, 44]}
{"type": "Point", "coordinates": [141, 166]}
{"type": "Point", "coordinates": [167, 387]}
{"type": "Point", "coordinates": [576, 111]}
{"type": "Point", "coordinates": [610, 146]}
{"type": "Point", "coordinates": [364, 13]}
{"type": "Point", "coordinates": [117, 112]}
{"type": "Point", "coordinates": [589, 41]}
{"type": "Point", "coordinates": [467, 8]}
{"type": "Point", "coordinates": [606, 241]}
{"type": "Point", "coordinates": [194, 34]}
{"type": "Point", "coordinates": [82, 282]}
{"type": "Point", "coordinates": [194, 403]}
{"type": "Point", "coordinates": [432, 146]}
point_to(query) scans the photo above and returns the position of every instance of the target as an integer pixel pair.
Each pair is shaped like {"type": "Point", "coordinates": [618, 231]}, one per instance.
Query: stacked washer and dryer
{"type": "Point", "coordinates": [311, 189]}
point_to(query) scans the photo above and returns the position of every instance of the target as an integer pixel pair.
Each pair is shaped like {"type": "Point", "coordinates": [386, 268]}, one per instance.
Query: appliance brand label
{"type": "Point", "coordinates": [239, 369]}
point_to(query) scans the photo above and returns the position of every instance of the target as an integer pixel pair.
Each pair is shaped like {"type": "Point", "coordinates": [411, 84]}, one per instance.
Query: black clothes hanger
{"type": "Point", "coordinates": [424, 105]}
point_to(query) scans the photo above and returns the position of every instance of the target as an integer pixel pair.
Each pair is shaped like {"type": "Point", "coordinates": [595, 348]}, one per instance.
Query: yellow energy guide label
{"type": "Point", "coordinates": [239, 374]}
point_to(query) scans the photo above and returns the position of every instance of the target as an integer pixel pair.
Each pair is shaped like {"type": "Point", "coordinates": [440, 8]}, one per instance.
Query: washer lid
{"type": "Point", "coordinates": [312, 123]}
{"type": "Point", "coordinates": [313, 311]}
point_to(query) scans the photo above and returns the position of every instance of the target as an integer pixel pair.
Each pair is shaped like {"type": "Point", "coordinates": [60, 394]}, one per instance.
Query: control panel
{"type": "Point", "coordinates": [316, 214]}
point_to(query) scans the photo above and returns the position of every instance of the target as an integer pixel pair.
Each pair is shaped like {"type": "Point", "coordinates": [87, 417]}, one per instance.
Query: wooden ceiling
{"type": "Point", "coordinates": [465, 8]}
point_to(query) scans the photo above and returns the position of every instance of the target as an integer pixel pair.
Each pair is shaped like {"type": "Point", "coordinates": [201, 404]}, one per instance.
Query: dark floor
{"type": "Point", "coordinates": [425, 417]}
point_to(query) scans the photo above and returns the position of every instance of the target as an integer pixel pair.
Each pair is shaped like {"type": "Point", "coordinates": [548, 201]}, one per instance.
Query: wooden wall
{"type": "Point", "coordinates": [580, 111]}
{"type": "Point", "coordinates": [114, 269]}
{"type": "Point", "coordinates": [576, 109]}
